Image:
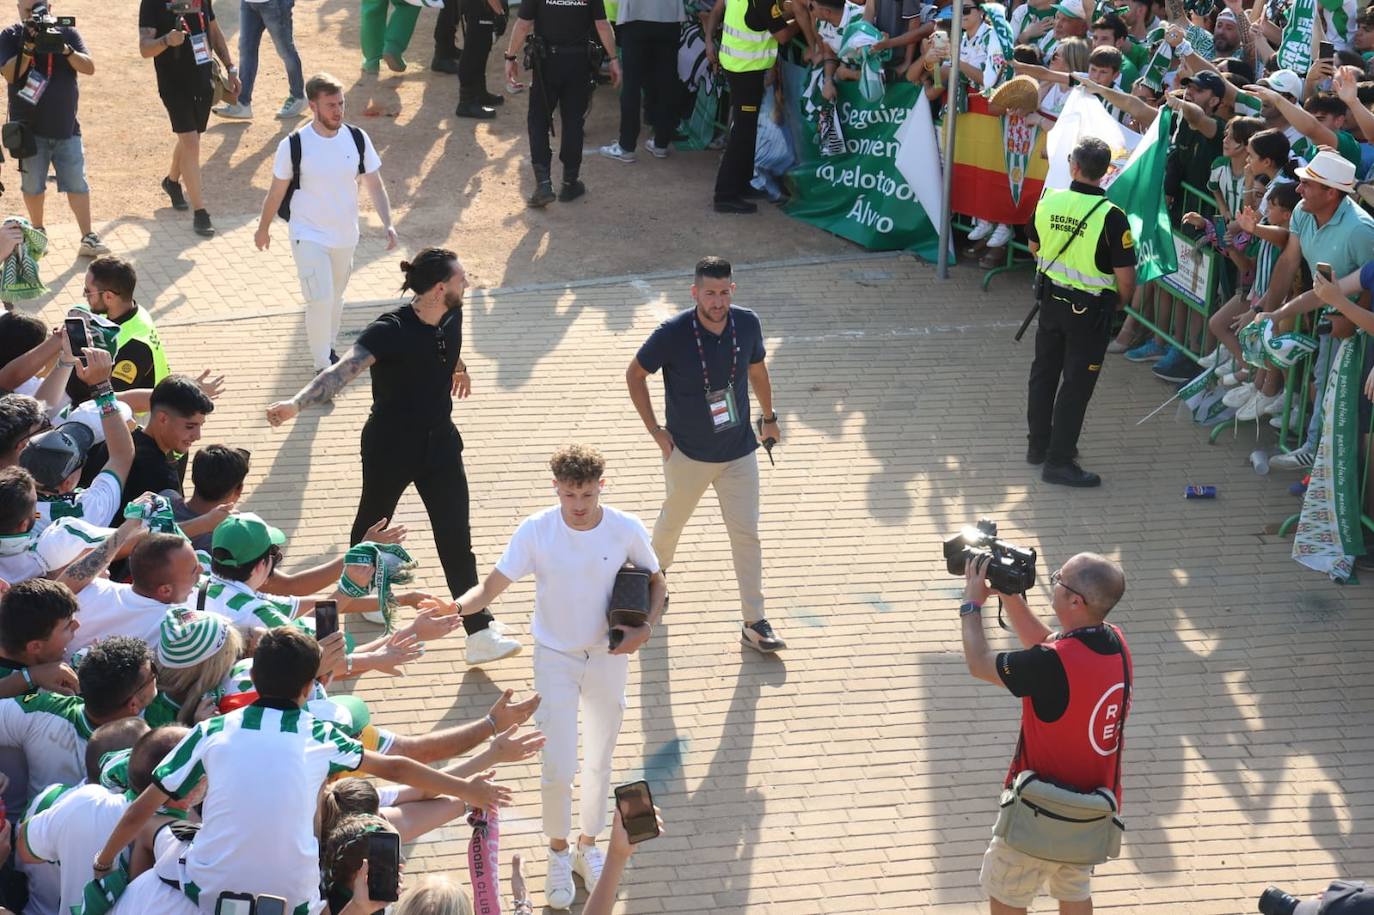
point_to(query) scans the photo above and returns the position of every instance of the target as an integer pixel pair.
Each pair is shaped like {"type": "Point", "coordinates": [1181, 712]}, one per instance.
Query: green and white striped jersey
{"type": "Point", "coordinates": [243, 606]}
{"type": "Point", "coordinates": [265, 764]}
{"type": "Point", "coordinates": [52, 730]}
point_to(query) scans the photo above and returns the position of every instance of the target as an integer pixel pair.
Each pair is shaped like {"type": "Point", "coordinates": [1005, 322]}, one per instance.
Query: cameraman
{"type": "Point", "coordinates": [179, 36]}
{"type": "Point", "coordinates": [1070, 731]}
{"type": "Point", "coordinates": [43, 96]}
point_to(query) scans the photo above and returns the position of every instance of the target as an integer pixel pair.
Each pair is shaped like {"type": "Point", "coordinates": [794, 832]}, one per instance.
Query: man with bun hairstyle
{"type": "Point", "coordinates": [409, 438]}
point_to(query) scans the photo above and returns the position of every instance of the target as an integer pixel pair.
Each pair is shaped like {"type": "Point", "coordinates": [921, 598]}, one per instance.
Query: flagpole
{"type": "Point", "coordinates": [951, 112]}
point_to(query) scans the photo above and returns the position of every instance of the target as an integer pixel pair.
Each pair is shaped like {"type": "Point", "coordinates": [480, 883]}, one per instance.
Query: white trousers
{"type": "Point", "coordinates": [324, 274]}
{"type": "Point", "coordinates": [594, 682]}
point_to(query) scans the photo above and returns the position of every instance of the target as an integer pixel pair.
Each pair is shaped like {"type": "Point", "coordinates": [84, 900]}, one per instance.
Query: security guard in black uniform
{"type": "Point", "coordinates": [561, 57]}
{"type": "Point", "coordinates": [483, 21]}
{"type": "Point", "coordinates": [1085, 258]}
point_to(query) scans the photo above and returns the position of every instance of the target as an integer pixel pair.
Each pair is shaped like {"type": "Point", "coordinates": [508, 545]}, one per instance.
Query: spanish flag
{"type": "Point", "coordinates": [999, 165]}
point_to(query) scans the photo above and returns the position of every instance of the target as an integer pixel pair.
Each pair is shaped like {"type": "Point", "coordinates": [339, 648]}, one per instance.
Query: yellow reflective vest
{"type": "Point", "coordinates": [741, 48]}
{"type": "Point", "coordinates": [1075, 266]}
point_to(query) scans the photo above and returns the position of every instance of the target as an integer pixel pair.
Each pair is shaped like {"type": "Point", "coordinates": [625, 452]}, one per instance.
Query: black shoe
{"type": "Point", "coordinates": [202, 223]}
{"type": "Point", "coordinates": [444, 64]}
{"type": "Point", "coordinates": [475, 110]}
{"type": "Point", "coordinates": [543, 195]}
{"type": "Point", "coordinates": [767, 640]}
{"type": "Point", "coordinates": [1069, 474]}
{"type": "Point", "coordinates": [735, 205]}
{"type": "Point", "coordinates": [173, 190]}
{"type": "Point", "coordinates": [492, 100]}
{"type": "Point", "coordinates": [571, 190]}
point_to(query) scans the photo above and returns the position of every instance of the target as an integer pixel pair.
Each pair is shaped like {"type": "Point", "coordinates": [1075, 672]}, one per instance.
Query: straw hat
{"type": "Point", "coordinates": [1020, 93]}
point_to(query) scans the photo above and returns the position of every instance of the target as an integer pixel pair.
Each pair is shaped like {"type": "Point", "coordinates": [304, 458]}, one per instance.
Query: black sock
{"type": "Point", "coordinates": [476, 622]}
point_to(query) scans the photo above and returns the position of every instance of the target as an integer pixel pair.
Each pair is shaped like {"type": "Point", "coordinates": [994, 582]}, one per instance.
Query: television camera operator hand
{"type": "Point", "coordinates": [1029, 630]}
{"type": "Point", "coordinates": [44, 36]}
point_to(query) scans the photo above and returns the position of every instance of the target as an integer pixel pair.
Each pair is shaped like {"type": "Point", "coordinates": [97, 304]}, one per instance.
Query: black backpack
{"type": "Point", "coordinates": [284, 211]}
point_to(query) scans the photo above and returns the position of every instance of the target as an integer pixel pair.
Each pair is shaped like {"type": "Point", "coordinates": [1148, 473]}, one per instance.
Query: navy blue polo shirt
{"type": "Point", "coordinates": [672, 347]}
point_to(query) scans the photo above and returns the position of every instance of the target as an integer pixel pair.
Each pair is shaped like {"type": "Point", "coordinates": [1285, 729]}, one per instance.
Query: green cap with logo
{"type": "Point", "coordinates": [243, 538]}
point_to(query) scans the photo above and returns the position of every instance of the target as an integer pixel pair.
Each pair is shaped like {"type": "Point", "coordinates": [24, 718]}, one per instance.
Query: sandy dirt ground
{"type": "Point", "coordinates": [451, 180]}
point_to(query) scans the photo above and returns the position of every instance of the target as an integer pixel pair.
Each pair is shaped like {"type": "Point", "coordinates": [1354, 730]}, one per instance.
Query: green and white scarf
{"type": "Point", "coordinates": [1295, 47]}
{"type": "Point", "coordinates": [388, 564]}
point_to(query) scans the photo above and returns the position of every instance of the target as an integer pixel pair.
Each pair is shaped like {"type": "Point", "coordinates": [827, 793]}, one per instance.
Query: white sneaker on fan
{"type": "Point", "coordinates": [1239, 396]}
{"type": "Point", "coordinates": [1000, 236]}
{"type": "Point", "coordinates": [982, 228]}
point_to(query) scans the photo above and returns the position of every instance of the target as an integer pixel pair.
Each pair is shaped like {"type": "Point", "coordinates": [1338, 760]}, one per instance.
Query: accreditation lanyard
{"type": "Point", "coordinates": [35, 84]}
{"type": "Point", "coordinates": [720, 403]}
{"type": "Point", "coordinates": [200, 41]}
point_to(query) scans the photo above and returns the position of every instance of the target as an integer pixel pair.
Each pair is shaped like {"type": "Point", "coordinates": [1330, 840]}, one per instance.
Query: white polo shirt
{"type": "Point", "coordinates": [70, 832]}
{"type": "Point", "coordinates": [265, 765]}
{"type": "Point", "coordinates": [52, 730]}
{"type": "Point", "coordinates": [114, 608]}
{"type": "Point", "coordinates": [574, 572]}
{"type": "Point", "coordinates": [324, 210]}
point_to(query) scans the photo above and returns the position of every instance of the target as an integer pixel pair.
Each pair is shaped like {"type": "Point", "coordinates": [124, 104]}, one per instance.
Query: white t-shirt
{"type": "Point", "coordinates": [112, 608]}
{"type": "Point", "coordinates": [265, 767]}
{"type": "Point", "coordinates": [70, 832]}
{"type": "Point", "coordinates": [148, 895]}
{"type": "Point", "coordinates": [574, 572]}
{"type": "Point", "coordinates": [325, 208]}
{"type": "Point", "coordinates": [52, 730]}
{"type": "Point", "coordinates": [96, 503]}
{"type": "Point", "coordinates": [44, 878]}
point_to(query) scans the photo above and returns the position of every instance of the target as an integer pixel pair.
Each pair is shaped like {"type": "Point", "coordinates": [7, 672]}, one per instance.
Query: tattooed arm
{"type": "Point", "coordinates": [325, 386]}
{"type": "Point", "coordinates": [89, 567]}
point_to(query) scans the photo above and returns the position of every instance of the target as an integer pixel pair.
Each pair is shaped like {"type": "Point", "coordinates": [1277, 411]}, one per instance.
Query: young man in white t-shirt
{"type": "Point", "coordinates": [575, 550]}
{"type": "Point", "coordinates": [164, 570]}
{"type": "Point", "coordinates": [324, 209]}
{"type": "Point", "coordinates": [264, 765]}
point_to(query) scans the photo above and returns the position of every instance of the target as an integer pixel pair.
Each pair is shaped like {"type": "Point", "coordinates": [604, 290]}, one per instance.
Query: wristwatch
{"type": "Point", "coordinates": [968, 607]}
{"type": "Point", "coordinates": [511, 57]}
{"type": "Point", "coordinates": [770, 419]}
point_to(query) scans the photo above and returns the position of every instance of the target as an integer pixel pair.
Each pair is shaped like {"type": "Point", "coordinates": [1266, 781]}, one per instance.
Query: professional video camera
{"type": "Point", "coordinates": [1342, 897]}
{"type": "Point", "coordinates": [183, 7]}
{"type": "Point", "coordinates": [45, 30]}
{"type": "Point", "coordinates": [1012, 569]}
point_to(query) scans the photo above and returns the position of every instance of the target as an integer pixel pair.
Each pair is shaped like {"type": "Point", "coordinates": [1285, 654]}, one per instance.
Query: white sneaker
{"type": "Point", "coordinates": [489, 645]}
{"type": "Point", "coordinates": [587, 864]}
{"type": "Point", "coordinates": [235, 112]}
{"type": "Point", "coordinates": [291, 108]}
{"type": "Point", "coordinates": [1259, 405]}
{"type": "Point", "coordinates": [1301, 459]}
{"type": "Point", "coordinates": [1211, 358]}
{"type": "Point", "coordinates": [92, 246]}
{"type": "Point", "coordinates": [981, 230]}
{"type": "Point", "coordinates": [1239, 396]}
{"type": "Point", "coordinates": [558, 886]}
{"type": "Point", "coordinates": [1276, 421]}
{"type": "Point", "coordinates": [658, 152]}
{"type": "Point", "coordinates": [613, 151]}
{"type": "Point", "coordinates": [1000, 236]}
{"type": "Point", "coordinates": [1234, 377]}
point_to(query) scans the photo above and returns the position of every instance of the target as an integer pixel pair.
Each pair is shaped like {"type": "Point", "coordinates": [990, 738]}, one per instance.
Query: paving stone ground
{"type": "Point", "coordinates": [858, 771]}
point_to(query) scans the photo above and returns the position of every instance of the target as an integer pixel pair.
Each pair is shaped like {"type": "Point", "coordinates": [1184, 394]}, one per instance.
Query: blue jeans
{"type": "Point", "coordinates": [66, 157]}
{"type": "Point", "coordinates": [273, 16]}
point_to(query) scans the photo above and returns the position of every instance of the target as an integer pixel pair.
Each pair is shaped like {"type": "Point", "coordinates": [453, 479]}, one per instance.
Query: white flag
{"type": "Point", "coordinates": [918, 158]}
{"type": "Point", "coordinates": [1085, 116]}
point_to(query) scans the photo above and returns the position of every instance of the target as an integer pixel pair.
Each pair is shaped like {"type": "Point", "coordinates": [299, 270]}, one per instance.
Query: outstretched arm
{"type": "Point", "coordinates": [324, 386]}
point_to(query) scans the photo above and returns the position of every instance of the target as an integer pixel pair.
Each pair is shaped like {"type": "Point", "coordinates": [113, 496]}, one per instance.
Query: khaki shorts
{"type": "Point", "coordinates": [1014, 878]}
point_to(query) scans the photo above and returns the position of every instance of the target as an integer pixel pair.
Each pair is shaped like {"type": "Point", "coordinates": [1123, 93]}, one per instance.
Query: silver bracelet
{"type": "Point", "coordinates": [492, 721]}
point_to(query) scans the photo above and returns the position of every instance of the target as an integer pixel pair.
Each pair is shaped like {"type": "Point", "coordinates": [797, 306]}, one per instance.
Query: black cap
{"type": "Point", "coordinates": [57, 454]}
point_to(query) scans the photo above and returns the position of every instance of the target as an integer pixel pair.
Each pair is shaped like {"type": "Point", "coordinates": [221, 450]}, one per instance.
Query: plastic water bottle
{"type": "Point", "coordinates": [1259, 459]}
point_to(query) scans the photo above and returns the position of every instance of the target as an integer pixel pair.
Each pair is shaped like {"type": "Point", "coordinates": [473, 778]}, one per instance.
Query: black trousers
{"type": "Point", "coordinates": [562, 82]}
{"type": "Point", "coordinates": [1070, 343]}
{"type": "Point", "coordinates": [648, 67]}
{"type": "Point", "coordinates": [396, 456]}
{"type": "Point", "coordinates": [479, 21]}
{"type": "Point", "coordinates": [737, 163]}
{"type": "Point", "coordinates": [446, 30]}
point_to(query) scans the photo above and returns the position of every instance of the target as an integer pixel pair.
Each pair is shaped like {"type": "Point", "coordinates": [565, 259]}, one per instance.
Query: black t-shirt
{"type": "Point", "coordinates": [413, 372]}
{"type": "Point", "coordinates": [54, 116]}
{"type": "Point", "coordinates": [1038, 672]}
{"type": "Point", "coordinates": [563, 21]}
{"type": "Point", "coordinates": [1190, 159]}
{"type": "Point", "coordinates": [177, 70]}
{"type": "Point", "coordinates": [133, 367]}
{"type": "Point", "coordinates": [1115, 246]}
{"type": "Point", "coordinates": [152, 471]}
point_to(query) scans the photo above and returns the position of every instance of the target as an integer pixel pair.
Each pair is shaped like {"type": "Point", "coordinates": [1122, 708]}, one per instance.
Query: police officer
{"type": "Point", "coordinates": [748, 49]}
{"type": "Point", "coordinates": [483, 20]}
{"type": "Point", "coordinates": [1086, 259]}
{"type": "Point", "coordinates": [562, 63]}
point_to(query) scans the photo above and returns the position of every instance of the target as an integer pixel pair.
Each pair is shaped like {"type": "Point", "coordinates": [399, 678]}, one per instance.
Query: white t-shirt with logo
{"type": "Point", "coordinates": [72, 831]}
{"type": "Point", "coordinates": [574, 572]}
{"type": "Point", "coordinates": [324, 210]}
{"type": "Point", "coordinates": [113, 608]}
{"type": "Point", "coordinates": [96, 503]}
{"type": "Point", "coordinates": [264, 767]}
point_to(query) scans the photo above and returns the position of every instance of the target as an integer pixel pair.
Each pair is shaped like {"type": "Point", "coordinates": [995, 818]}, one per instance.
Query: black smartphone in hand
{"type": "Point", "coordinates": [1326, 271]}
{"type": "Point", "coordinates": [270, 905]}
{"type": "Point", "coordinates": [77, 338]}
{"type": "Point", "coordinates": [636, 806]}
{"type": "Point", "coordinates": [326, 619]}
{"type": "Point", "coordinates": [384, 866]}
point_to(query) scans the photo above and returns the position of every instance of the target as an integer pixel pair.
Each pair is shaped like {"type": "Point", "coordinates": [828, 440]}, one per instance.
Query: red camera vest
{"type": "Point", "coordinates": [1082, 749]}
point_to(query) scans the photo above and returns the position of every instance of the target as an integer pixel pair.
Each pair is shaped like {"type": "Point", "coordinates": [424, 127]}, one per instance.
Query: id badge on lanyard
{"type": "Point", "coordinates": [200, 45]}
{"type": "Point", "coordinates": [35, 85]}
{"type": "Point", "coordinates": [724, 413]}
{"type": "Point", "coordinates": [720, 403]}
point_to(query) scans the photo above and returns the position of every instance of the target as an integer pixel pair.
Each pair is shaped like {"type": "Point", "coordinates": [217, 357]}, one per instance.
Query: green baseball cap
{"type": "Point", "coordinates": [243, 538]}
